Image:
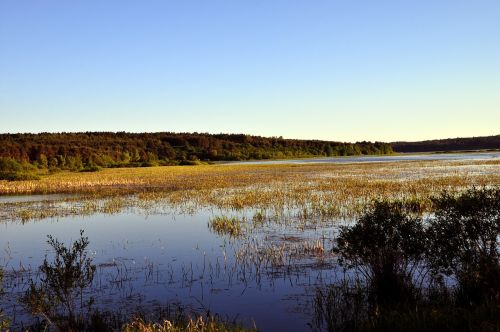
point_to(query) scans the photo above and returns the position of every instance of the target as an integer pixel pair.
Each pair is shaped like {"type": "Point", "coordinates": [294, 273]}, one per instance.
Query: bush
{"type": "Point", "coordinates": [385, 245]}
{"type": "Point", "coordinates": [151, 163]}
{"type": "Point", "coordinates": [393, 250]}
{"type": "Point", "coordinates": [190, 162]}
{"type": "Point", "coordinates": [465, 242]}
{"type": "Point", "coordinates": [11, 170]}
{"type": "Point", "coordinates": [63, 281]}
{"type": "Point", "coordinates": [91, 168]}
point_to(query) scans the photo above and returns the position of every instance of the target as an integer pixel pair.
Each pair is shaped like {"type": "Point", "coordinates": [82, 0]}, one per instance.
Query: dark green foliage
{"type": "Point", "coordinates": [74, 151]}
{"type": "Point", "coordinates": [465, 242]}
{"type": "Point", "coordinates": [385, 245]}
{"type": "Point", "coordinates": [340, 307]}
{"type": "Point", "coordinates": [58, 295]}
{"type": "Point", "coordinates": [450, 144]}
{"type": "Point", "coordinates": [190, 162]}
{"type": "Point", "coordinates": [91, 168]}
{"type": "Point", "coordinates": [392, 249]}
{"type": "Point", "coordinates": [427, 316]}
{"type": "Point", "coordinates": [344, 307]}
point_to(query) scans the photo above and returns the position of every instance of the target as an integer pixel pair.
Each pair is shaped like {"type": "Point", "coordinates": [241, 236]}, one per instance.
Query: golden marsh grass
{"type": "Point", "coordinates": [314, 191]}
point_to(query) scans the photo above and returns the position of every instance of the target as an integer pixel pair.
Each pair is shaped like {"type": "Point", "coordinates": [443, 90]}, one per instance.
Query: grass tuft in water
{"type": "Point", "coordinates": [226, 225]}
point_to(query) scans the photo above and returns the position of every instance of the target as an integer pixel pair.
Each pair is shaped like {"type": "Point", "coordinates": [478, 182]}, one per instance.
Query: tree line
{"type": "Point", "coordinates": [450, 144]}
{"type": "Point", "coordinates": [87, 150]}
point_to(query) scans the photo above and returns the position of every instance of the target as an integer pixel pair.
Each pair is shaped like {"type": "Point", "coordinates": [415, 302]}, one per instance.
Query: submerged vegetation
{"type": "Point", "coordinates": [403, 270]}
{"type": "Point", "coordinates": [225, 225]}
{"type": "Point", "coordinates": [406, 245]}
{"type": "Point", "coordinates": [58, 296]}
{"type": "Point", "coordinates": [310, 192]}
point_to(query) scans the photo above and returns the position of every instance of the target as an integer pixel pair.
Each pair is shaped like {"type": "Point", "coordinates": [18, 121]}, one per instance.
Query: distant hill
{"type": "Point", "coordinates": [108, 149]}
{"type": "Point", "coordinates": [450, 144]}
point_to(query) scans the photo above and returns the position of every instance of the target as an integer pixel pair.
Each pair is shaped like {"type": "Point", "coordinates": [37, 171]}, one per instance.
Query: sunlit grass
{"type": "Point", "coordinates": [310, 192]}
{"type": "Point", "coordinates": [226, 225]}
{"type": "Point", "coordinates": [193, 325]}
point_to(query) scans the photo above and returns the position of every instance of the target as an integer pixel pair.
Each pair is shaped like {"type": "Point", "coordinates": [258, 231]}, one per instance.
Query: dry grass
{"type": "Point", "coordinates": [225, 225]}
{"type": "Point", "coordinates": [174, 178]}
{"type": "Point", "coordinates": [198, 325]}
{"type": "Point", "coordinates": [311, 192]}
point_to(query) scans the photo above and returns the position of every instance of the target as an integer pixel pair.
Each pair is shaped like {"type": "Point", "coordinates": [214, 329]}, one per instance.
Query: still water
{"type": "Point", "coordinates": [389, 158]}
{"type": "Point", "coordinates": [267, 277]}
{"type": "Point", "coordinates": [147, 261]}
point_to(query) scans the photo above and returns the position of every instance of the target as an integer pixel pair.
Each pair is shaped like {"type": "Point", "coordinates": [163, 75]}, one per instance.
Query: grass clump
{"type": "Point", "coordinates": [226, 225]}
{"type": "Point", "coordinates": [4, 321]}
{"type": "Point", "coordinates": [200, 324]}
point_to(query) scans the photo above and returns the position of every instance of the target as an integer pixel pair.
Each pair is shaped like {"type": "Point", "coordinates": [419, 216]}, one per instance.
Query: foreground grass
{"type": "Point", "coordinates": [198, 325]}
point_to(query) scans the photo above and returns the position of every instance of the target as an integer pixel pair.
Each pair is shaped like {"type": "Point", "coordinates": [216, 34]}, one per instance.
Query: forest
{"type": "Point", "coordinates": [80, 151]}
{"type": "Point", "coordinates": [450, 144]}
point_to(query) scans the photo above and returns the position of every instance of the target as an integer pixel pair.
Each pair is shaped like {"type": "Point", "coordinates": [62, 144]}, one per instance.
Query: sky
{"type": "Point", "coordinates": [347, 70]}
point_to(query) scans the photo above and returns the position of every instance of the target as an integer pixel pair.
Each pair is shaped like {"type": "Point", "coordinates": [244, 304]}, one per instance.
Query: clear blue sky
{"type": "Point", "coordinates": [336, 70]}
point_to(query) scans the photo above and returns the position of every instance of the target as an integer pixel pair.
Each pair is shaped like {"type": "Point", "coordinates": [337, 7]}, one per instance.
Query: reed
{"type": "Point", "coordinates": [305, 192]}
{"type": "Point", "coordinates": [226, 225]}
{"type": "Point", "coordinates": [199, 324]}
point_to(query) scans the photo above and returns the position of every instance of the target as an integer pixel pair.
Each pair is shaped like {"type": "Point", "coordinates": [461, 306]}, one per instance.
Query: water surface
{"type": "Point", "coordinates": [146, 261]}
{"type": "Point", "coordinates": [388, 158]}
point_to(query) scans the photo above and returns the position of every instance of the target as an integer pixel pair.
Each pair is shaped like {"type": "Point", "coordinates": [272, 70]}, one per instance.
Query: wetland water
{"type": "Point", "coordinates": [145, 261]}
{"type": "Point", "coordinates": [374, 159]}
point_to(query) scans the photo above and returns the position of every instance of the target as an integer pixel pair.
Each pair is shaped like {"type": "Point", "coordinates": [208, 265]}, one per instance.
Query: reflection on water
{"type": "Point", "coordinates": [33, 198]}
{"type": "Point", "coordinates": [376, 159]}
{"type": "Point", "coordinates": [264, 277]}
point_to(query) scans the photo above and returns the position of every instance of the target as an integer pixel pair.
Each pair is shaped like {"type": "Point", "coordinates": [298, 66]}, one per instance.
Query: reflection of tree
{"type": "Point", "coordinates": [58, 295]}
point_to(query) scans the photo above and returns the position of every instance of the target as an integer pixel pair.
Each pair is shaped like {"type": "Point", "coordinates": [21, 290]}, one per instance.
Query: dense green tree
{"type": "Point", "coordinates": [75, 151]}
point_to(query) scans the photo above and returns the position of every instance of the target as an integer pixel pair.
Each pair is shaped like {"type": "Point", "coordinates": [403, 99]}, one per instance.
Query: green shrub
{"type": "Point", "coordinates": [151, 163]}
{"type": "Point", "coordinates": [465, 242]}
{"type": "Point", "coordinates": [392, 250]}
{"type": "Point", "coordinates": [91, 168]}
{"type": "Point", "coordinates": [190, 162]}
{"type": "Point", "coordinates": [11, 170]}
{"type": "Point", "coordinates": [385, 246]}
{"type": "Point", "coordinates": [55, 296]}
